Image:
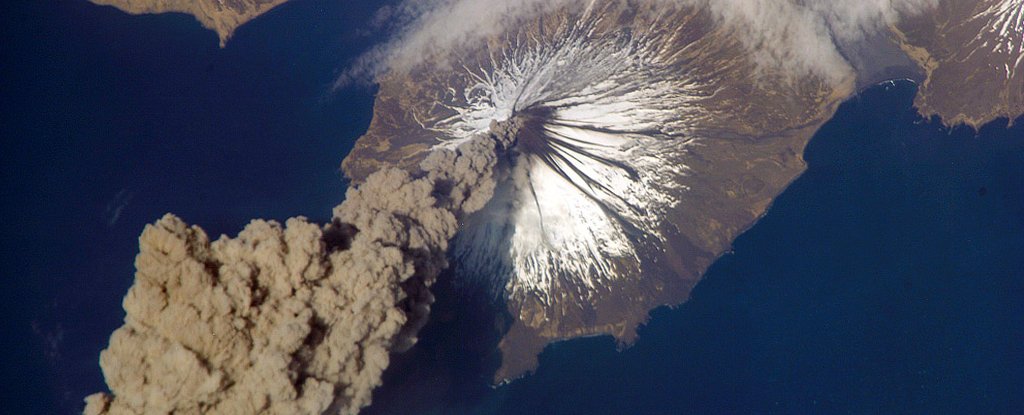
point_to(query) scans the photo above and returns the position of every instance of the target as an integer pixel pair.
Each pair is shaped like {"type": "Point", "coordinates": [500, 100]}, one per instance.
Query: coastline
{"type": "Point", "coordinates": [213, 15]}
{"type": "Point", "coordinates": [624, 342]}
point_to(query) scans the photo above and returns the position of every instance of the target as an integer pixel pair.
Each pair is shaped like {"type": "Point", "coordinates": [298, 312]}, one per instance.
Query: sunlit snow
{"type": "Point", "coordinates": [1003, 32]}
{"type": "Point", "coordinates": [604, 122]}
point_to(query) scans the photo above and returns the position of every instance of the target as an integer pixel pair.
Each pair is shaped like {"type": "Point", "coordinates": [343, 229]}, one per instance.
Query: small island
{"type": "Point", "coordinates": [221, 16]}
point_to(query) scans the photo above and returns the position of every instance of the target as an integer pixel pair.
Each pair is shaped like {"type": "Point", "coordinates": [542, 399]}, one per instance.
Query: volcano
{"type": "Point", "coordinates": [648, 136]}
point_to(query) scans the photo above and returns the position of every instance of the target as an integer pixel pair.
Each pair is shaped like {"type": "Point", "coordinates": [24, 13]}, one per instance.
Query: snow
{"type": "Point", "coordinates": [608, 119]}
{"type": "Point", "coordinates": [1003, 32]}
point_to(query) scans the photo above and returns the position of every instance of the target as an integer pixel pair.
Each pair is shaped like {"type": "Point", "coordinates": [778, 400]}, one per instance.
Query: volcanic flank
{"type": "Point", "coordinates": [650, 135]}
{"type": "Point", "coordinates": [646, 147]}
{"type": "Point", "coordinates": [973, 53]}
{"type": "Point", "coordinates": [587, 161]}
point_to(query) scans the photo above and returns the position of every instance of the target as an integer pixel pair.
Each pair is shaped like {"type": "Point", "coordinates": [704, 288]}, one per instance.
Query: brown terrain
{"type": "Point", "coordinates": [751, 146]}
{"type": "Point", "coordinates": [751, 127]}
{"type": "Point", "coordinates": [973, 54]}
{"type": "Point", "coordinates": [221, 16]}
{"type": "Point", "coordinates": [751, 150]}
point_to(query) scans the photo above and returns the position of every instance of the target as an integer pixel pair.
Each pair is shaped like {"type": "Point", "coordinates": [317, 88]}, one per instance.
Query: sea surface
{"type": "Point", "coordinates": [110, 121]}
{"type": "Point", "coordinates": [889, 278]}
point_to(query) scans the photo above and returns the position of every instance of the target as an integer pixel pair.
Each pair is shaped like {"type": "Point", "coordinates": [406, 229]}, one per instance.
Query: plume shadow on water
{"type": "Point", "coordinates": [882, 281]}
{"type": "Point", "coordinates": [887, 279]}
{"type": "Point", "coordinates": [456, 356]}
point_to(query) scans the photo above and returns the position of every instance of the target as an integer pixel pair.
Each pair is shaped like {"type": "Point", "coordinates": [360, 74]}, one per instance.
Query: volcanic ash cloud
{"type": "Point", "coordinates": [294, 319]}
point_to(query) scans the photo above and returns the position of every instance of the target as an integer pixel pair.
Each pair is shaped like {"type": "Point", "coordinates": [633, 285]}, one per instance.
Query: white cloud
{"type": "Point", "coordinates": [800, 37]}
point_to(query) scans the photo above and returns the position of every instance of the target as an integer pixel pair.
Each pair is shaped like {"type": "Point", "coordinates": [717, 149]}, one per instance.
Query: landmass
{"type": "Point", "coordinates": [221, 16]}
{"type": "Point", "coordinates": [973, 55]}
{"type": "Point", "coordinates": [597, 222]}
{"type": "Point", "coordinates": [591, 161]}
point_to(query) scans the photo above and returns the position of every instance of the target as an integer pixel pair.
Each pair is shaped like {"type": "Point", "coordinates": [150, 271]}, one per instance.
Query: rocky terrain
{"type": "Point", "coordinates": [649, 141]}
{"type": "Point", "coordinates": [973, 53]}
{"type": "Point", "coordinates": [221, 16]}
{"type": "Point", "coordinates": [651, 134]}
{"type": "Point", "coordinates": [644, 153]}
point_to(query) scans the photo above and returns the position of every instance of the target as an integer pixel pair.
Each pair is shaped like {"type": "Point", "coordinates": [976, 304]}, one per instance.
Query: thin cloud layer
{"type": "Point", "coordinates": [796, 37]}
{"type": "Point", "coordinates": [804, 37]}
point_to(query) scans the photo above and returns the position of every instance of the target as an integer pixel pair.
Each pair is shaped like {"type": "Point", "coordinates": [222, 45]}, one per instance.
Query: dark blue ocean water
{"type": "Point", "coordinates": [110, 120]}
{"type": "Point", "coordinates": [887, 279]}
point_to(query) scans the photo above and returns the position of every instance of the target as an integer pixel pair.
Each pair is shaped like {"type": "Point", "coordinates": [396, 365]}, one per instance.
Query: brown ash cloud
{"type": "Point", "coordinates": [296, 318]}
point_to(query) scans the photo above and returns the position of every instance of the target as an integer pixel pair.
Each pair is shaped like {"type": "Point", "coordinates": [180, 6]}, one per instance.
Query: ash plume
{"type": "Point", "coordinates": [797, 37]}
{"type": "Point", "coordinates": [293, 319]}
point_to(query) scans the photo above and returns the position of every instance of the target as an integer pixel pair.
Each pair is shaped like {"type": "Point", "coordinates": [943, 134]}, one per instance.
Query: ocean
{"type": "Point", "coordinates": [111, 121]}
{"type": "Point", "coordinates": [889, 278]}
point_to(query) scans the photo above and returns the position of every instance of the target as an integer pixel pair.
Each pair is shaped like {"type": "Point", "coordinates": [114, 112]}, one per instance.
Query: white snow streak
{"type": "Point", "coordinates": [604, 120]}
{"type": "Point", "coordinates": [1003, 32]}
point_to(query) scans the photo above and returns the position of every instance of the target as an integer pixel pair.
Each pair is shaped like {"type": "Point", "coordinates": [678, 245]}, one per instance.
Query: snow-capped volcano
{"type": "Point", "coordinates": [648, 135]}
{"type": "Point", "coordinates": [603, 121]}
{"type": "Point", "coordinates": [645, 139]}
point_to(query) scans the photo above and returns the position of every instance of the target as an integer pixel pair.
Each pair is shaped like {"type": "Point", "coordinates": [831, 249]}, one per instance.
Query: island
{"type": "Point", "coordinates": [221, 16]}
{"type": "Point", "coordinates": [648, 141]}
